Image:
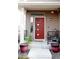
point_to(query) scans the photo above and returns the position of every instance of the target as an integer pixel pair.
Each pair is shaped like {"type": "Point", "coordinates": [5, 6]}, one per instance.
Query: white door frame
{"type": "Point", "coordinates": [44, 28]}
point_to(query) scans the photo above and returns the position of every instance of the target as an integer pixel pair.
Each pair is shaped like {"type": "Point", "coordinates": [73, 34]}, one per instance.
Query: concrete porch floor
{"type": "Point", "coordinates": [55, 55]}
{"type": "Point", "coordinates": [42, 45]}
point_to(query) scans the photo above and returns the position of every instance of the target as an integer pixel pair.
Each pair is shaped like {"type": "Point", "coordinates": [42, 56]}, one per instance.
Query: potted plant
{"type": "Point", "coordinates": [28, 39]}
{"type": "Point", "coordinates": [23, 57]}
{"type": "Point", "coordinates": [24, 46]}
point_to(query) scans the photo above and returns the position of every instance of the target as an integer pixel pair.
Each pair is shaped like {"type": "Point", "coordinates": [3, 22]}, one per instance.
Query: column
{"type": "Point", "coordinates": [22, 23]}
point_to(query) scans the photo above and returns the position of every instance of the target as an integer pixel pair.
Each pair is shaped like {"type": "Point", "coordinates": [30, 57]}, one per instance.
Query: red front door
{"type": "Point", "coordinates": [39, 28]}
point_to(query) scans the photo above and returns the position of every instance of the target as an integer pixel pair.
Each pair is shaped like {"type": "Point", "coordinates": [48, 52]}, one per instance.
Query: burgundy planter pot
{"type": "Point", "coordinates": [55, 49]}
{"type": "Point", "coordinates": [23, 47]}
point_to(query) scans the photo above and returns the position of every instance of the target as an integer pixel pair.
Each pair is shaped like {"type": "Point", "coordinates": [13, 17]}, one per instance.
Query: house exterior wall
{"type": "Point", "coordinates": [52, 21]}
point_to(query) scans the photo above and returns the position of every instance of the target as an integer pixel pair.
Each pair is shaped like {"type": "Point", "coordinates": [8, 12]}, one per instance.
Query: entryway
{"type": "Point", "coordinates": [39, 28]}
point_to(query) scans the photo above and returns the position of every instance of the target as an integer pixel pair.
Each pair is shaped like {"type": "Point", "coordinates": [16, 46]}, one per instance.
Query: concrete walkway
{"type": "Point", "coordinates": [41, 51]}
{"type": "Point", "coordinates": [38, 53]}
{"type": "Point", "coordinates": [42, 45]}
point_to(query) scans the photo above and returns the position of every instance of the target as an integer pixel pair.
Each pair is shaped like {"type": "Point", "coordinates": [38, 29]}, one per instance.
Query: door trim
{"type": "Point", "coordinates": [44, 28]}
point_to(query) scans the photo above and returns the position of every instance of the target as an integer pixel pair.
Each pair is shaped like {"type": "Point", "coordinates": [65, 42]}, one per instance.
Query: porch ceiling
{"type": "Point", "coordinates": [40, 5]}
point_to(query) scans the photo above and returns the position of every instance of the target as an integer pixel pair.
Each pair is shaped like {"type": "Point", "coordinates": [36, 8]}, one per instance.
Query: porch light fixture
{"type": "Point", "coordinates": [52, 12]}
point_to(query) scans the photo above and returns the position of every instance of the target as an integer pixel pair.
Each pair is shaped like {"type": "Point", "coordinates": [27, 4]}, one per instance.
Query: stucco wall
{"type": "Point", "coordinates": [52, 21]}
